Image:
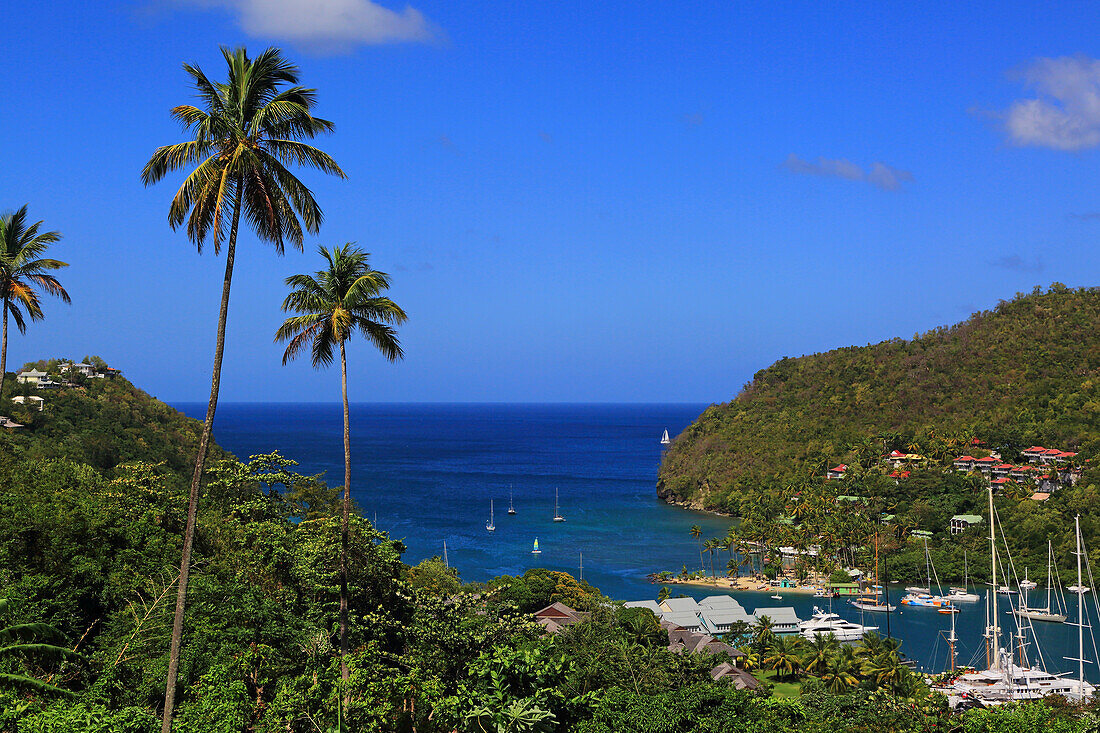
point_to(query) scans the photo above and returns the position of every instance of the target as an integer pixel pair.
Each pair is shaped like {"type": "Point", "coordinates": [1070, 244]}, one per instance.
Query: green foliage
{"type": "Point", "coordinates": [801, 415]}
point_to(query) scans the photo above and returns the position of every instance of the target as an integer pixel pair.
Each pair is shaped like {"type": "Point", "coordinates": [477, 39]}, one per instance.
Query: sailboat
{"type": "Point", "coordinates": [1054, 615]}
{"type": "Point", "coordinates": [511, 509]}
{"type": "Point", "coordinates": [536, 551]}
{"type": "Point", "coordinates": [1026, 584]}
{"type": "Point", "coordinates": [557, 515]}
{"type": "Point", "coordinates": [869, 600]}
{"type": "Point", "coordinates": [664, 438]}
{"type": "Point", "coordinates": [491, 525]}
{"type": "Point", "coordinates": [962, 594]}
{"type": "Point", "coordinates": [1005, 680]}
{"type": "Point", "coordinates": [922, 597]}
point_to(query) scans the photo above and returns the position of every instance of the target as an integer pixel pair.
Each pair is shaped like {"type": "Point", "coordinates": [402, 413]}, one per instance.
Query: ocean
{"type": "Point", "coordinates": [425, 473]}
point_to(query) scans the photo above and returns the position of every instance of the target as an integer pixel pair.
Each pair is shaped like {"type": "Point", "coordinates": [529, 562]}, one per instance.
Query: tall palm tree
{"type": "Point", "coordinates": [697, 533]}
{"type": "Point", "coordinates": [333, 304]}
{"type": "Point", "coordinates": [247, 131]}
{"type": "Point", "coordinates": [22, 268]}
{"type": "Point", "coordinates": [783, 656]}
{"type": "Point", "coordinates": [820, 650]}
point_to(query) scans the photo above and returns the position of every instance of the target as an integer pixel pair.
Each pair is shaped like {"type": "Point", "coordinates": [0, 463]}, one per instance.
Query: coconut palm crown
{"type": "Point", "coordinates": [337, 301]}
{"type": "Point", "coordinates": [248, 130]}
{"type": "Point", "coordinates": [22, 270]}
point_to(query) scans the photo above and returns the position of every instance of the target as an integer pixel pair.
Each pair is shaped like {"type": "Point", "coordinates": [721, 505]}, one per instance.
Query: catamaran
{"type": "Point", "coordinates": [557, 515]}
{"type": "Point", "coordinates": [1054, 614]}
{"type": "Point", "coordinates": [536, 551]}
{"type": "Point", "coordinates": [1006, 678]}
{"type": "Point", "coordinates": [664, 438]}
{"type": "Point", "coordinates": [511, 509]}
{"type": "Point", "coordinates": [491, 525]}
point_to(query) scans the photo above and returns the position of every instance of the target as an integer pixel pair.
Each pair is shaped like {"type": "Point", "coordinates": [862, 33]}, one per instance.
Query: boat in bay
{"type": "Point", "coordinates": [962, 594]}
{"type": "Point", "coordinates": [511, 507]}
{"type": "Point", "coordinates": [664, 438]}
{"type": "Point", "coordinates": [871, 598]}
{"type": "Point", "coordinates": [536, 551]}
{"type": "Point", "coordinates": [922, 597]}
{"type": "Point", "coordinates": [557, 515]}
{"type": "Point", "coordinates": [823, 623]}
{"type": "Point", "coordinates": [491, 525]}
{"type": "Point", "coordinates": [1054, 610]}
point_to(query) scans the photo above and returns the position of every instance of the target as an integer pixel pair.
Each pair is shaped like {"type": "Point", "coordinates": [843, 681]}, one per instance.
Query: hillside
{"type": "Point", "coordinates": [101, 422]}
{"type": "Point", "coordinates": [1026, 372]}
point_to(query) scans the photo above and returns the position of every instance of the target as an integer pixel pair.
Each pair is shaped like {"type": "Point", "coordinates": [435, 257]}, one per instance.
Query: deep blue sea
{"type": "Point", "coordinates": [427, 472]}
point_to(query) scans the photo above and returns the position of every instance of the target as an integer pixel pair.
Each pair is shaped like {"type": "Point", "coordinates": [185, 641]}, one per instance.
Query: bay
{"type": "Point", "coordinates": [426, 473]}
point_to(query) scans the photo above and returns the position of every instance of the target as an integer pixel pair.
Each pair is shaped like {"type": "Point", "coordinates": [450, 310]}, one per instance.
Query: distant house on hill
{"type": "Point", "coordinates": [31, 376]}
{"type": "Point", "coordinates": [33, 400]}
{"type": "Point", "coordinates": [962, 522]}
{"type": "Point", "coordinates": [837, 472]}
{"type": "Point", "coordinates": [86, 370]}
{"type": "Point", "coordinates": [7, 422]}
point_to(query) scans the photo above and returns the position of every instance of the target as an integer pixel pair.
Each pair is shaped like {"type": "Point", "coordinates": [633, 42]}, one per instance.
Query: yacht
{"type": "Point", "coordinates": [962, 594]}
{"type": "Point", "coordinates": [1054, 611]}
{"type": "Point", "coordinates": [823, 623]}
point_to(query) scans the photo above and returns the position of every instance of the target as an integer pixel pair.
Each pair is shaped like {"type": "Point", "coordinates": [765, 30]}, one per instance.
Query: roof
{"type": "Point", "coordinates": [987, 459]}
{"type": "Point", "coordinates": [899, 474]}
{"type": "Point", "coordinates": [921, 533]}
{"type": "Point", "coordinates": [676, 605]}
{"type": "Point", "coordinates": [968, 518]}
{"type": "Point", "coordinates": [839, 469]}
{"type": "Point", "coordinates": [897, 454]}
{"type": "Point", "coordinates": [32, 373]}
{"type": "Point", "coordinates": [720, 602]}
{"type": "Point", "coordinates": [1051, 452]}
{"type": "Point", "coordinates": [999, 481]}
{"type": "Point", "coordinates": [1040, 496]}
{"type": "Point", "coordinates": [651, 605]}
{"type": "Point", "coordinates": [1034, 449]}
{"type": "Point", "coordinates": [783, 615]}
{"type": "Point", "coordinates": [1005, 465]}
{"type": "Point", "coordinates": [964, 458]}
{"type": "Point", "coordinates": [724, 617]}
{"type": "Point", "coordinates": [684, 619]}
{"type": "Point", "coordinates": [739, 678]}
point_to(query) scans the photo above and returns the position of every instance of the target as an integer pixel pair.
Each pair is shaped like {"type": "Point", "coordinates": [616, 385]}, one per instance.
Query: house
{"type": "Point", "coordinates": [688, 620]}
{"type": "Point", "coordinates": [34, 401]}
{"type": "Point", "coordinates": [30, 376]}
{"type": "Point", "coordinates": [784, 620]}
{"type": "Point", "coordinates": [1002, 470]}
{"type": "Point", "coordinates": [985, 465]}
{"type": "Point", "coordinates": [920, 534]}
{"type": "Point", "coordinates": [963, 463]}
{"type": "Point", "coordinates": [83, 369]}
{"type": "Point", "coordinates": [898, 475]}
{"type": "Point", "coordinates": [837, 472]}
{"type": "Point", "coordinates": [1032, 454]}
{"type": "Point", "coordinates": [648, 605]}
{"type": "Point", "coordinates": [48, 384]}
{"type": "Point", "coordinates": [7, 422]}
{"type": "Point", "coordinates": [896, 459]}
{"type": "Point", "coordinates": [1040, 496]}
{"type": "Point", "coordinates": [963, 522]}
{"type": "Point", "coordinates": [557, 616]}
{"type": "Point", "coordinates": [720, 613]}
{"type": "Point", "coordinates": [736, 676]}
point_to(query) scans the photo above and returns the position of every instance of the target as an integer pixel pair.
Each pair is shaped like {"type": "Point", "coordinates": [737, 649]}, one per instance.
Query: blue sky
{"type": "Point", "coordinates": [577, 201]}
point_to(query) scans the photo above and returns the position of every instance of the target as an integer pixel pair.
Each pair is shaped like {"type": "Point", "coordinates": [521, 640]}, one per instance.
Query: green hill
{"type": "Point", "coordinates": [1025, 372]}
{"type": "Point", "coordinates": [101, 422]}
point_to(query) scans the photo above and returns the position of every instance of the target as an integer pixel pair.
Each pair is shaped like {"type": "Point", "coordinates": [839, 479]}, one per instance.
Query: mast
{"type": "Point", "coordinates": [445, 563]}
{"type": "Point", "coordinates": [1050, 555]}
{"type": "Point", "coordinates": [1080, 614]}
{"type": "Point", "coordinates": [582, 566]}
{"type": "Point", "coordinates": [995, 651]}
{"type": "Point", "coordinates": [951, 641]}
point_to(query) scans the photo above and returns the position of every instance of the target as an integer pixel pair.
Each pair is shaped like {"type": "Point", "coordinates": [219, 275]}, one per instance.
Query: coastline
{"type": "Point", "coordinates": [737, 584]}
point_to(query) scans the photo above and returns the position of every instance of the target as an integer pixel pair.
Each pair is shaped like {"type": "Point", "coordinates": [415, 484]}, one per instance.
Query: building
{"type": "Point", "coordinates": [837, 472]}
{"type": "Point", "coordinates": [83, 369]}
{"type": "Point", "coordinates": [784, 620]}
{"type": "Point", "coordinates": [30, 376]}
{"type": "Point", "coordinates": [920, 534]}
{"type": "Point", "coordinates": [557, 616]}
{"type": "Point", "coordinates": [32, 401]}
{"type": "Point", "coordinates": [7, 422]}
{"type": "Point", "coordinates": [962, 522]}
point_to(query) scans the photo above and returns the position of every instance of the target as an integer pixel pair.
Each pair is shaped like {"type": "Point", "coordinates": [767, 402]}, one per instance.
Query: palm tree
{"type": "Point", "coordinates": [30, 639]}
{"type": "Point", "coordinates": [662, 595]}
{"type": "Point", "coordinates": [249, 129]}
{"type": "Point", "coordinates": [819, 653]}
{"type": "Point", "coordinates": [697, 533]}
{"type": "Point", "coordinates": [840, 674]}
{"type": "Point", "coordinates": [783, 656]}
{"type": "Point", "coordinates": [22, 267]}
{"type": "Point", "coordinates": [332, 305]}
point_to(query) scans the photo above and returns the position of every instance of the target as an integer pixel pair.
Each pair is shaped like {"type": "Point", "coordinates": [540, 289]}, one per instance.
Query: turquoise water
{"type": "Point", "coordinates": [426, 472]}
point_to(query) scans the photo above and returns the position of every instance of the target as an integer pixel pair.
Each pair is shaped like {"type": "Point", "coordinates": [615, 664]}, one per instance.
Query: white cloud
{"type": "Point", "coordinates": [333, 25]}
{"type": "Point", "coordinates": [883, 176]}
{"type": "Point", "coordinates": [1066, 116]}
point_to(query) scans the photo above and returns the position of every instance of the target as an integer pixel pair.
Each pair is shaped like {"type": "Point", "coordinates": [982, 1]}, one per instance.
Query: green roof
{"type": "Point", "coordinates": [921, 533]}
{"type": "Point", "coordinates": [849, 498]}
{"type": "Point", "coordinates": [968, 518]}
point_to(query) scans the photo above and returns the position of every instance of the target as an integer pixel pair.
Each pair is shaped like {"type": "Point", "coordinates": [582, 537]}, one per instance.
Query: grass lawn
{"type": "Point", "coordinates": [781, 690]}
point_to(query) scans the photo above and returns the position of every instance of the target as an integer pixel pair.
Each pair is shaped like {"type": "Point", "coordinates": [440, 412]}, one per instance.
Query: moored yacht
{"type": "Point", "coordinates": [823, 623]}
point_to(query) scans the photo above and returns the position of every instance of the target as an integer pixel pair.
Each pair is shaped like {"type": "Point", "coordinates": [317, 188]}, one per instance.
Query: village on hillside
{"type": "Point", "coordinates": [53, 374]}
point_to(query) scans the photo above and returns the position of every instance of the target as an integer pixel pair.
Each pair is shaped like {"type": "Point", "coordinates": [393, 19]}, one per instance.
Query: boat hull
{"type": "Point", "coordinates": [1054, 618]}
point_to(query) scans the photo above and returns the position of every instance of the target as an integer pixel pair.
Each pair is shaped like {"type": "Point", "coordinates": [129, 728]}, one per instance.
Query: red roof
{"type": "Point", "coordinates": [1009, 466]}
{"type": "Point", "coordinates": [899, 474]}
{"type": "Point", "coordinates": [986, 460]}
{"type": "Point", "coordinates": [964, 458]}
{"type": "Point", "coordinates": [999, 481]}
{"type": "Point", "coordinates": [897, 454]}
{"type": "Point", "coordinates": [1034, 449]}
{"type": "Point", "coordinates": [839, 469]}
{"type": "Point", "coordinates": [1051, 452]}
{"type": "Point", "coordinates": [1066, 454]}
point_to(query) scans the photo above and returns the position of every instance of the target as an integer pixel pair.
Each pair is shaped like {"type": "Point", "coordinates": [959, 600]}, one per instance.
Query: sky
{"type": "Point", "coordinates": [577, 201]}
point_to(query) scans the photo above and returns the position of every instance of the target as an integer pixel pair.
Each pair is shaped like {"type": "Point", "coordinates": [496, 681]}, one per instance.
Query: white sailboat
{"type": "Point", "coordinates": [962, 594]}
{"type": "Point", "coordinates": [1055, 614]}
{"type": "Point", "coordinates": [511, 509]}
{"type": "Point", "coordinates": [664, 438]}
{"type": "Point", "coordinates": [920, 597]}
{"type": "Point", "coordinates": [491, 525]}
{"type": "Point", "coordinates": [557, 515]}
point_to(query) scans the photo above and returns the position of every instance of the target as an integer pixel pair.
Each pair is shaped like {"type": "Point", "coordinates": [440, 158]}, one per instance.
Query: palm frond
{"type": "Point", "coordinates": [32, 685]}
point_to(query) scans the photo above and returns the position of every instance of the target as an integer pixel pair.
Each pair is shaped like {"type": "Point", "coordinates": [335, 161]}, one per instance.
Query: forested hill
{"type": "Point", "coordinates": [1026, 372]}
{"type": "Point", "coordinates": [101, 422]}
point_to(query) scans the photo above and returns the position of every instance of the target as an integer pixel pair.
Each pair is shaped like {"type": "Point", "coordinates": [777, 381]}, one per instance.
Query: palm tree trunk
{"type": "Point", "coordinates": [196, 477]}
{"type": "Point", "coordinates": [4, 349]}
{"type": "Point", "coordinates": [344, 524]}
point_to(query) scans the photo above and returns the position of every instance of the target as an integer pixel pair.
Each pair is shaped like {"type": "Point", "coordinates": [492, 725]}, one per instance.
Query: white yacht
{"type": "Point", "coordinates": [823, 623]}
